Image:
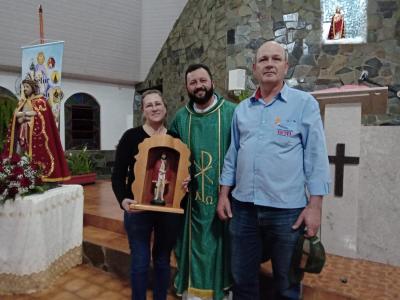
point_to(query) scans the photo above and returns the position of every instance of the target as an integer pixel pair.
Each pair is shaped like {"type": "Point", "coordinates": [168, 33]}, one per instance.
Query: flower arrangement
{"type": "Point", "coordinates": [19, 176]}
{"type": "Point", "coordinates": [79, 162]}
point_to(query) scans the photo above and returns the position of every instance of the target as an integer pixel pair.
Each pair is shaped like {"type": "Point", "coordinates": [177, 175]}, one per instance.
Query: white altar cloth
{"type": "Point", "coordinates": [40, 238]}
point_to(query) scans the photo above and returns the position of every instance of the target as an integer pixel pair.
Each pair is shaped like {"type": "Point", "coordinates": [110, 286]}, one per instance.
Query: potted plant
{"type": "Point", "coordinates": [7, 107]}
{"type": "Point", "coordinates": [80, 166]}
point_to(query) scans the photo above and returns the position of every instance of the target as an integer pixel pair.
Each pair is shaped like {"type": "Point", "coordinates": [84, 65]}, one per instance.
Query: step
{"type": "Point", "coordinates": [93, 219]}
{"type": "Point", "coordinates": [106, 238]}
{"type": "Point", "coordinates": [101, 209]}
{"type": "Point", "coordinates": [106, 250]}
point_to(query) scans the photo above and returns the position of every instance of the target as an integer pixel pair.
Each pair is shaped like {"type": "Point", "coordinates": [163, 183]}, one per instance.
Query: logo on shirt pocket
{"type": "Point", "coordinates": [285, 134]}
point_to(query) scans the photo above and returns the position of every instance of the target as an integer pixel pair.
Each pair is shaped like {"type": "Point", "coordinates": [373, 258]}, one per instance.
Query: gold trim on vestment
{"type": "Point", "coordinates": [45, 179]}
{"type": "Point", "coordinates": [30, 137]}
{"type": "Point", "coordinates": [24, 284]}
{"type": "Point", "coordinates": [219, 148]}
{"type": "Point", "coordinates": [200, 292]}
{"type": "Point", "coordinates": [43, 131]}
{"type": "Point", "coordinates": [195, 291]}
{"type": "Point", "coordinates": [190, 211]}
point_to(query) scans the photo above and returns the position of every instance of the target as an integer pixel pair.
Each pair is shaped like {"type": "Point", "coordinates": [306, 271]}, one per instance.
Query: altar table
{"type": "Point", "coordinates": [40, 238]}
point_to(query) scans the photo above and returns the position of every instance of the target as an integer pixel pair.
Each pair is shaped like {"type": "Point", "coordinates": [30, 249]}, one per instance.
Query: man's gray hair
{"type": "Point", "coordinates": [282, 45]}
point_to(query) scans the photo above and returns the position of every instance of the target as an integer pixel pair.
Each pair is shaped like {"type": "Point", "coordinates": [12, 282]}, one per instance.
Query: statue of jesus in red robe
{"type": "Point", "coordinates": [336, 30]}
{"type": "Point", "coordinates": [33, 132]}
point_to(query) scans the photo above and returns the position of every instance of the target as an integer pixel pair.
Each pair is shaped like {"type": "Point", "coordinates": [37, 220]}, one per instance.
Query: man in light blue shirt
{"type": "Point", "coordinates": [277, 158]}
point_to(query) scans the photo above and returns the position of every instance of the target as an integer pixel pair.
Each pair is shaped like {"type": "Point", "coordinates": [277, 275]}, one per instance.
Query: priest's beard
{"type": "Point", "coordinates": [201, 100]}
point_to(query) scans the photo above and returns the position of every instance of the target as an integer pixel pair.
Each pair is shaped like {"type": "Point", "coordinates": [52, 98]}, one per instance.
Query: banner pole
{"type": "Point", "coordinates": [41, 24]}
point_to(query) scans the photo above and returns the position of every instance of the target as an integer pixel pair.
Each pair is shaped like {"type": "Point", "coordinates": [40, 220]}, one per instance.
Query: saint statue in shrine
{"type": "Point", "coordinates": [160, 180]}
{"type": "Point", "coordinates": [33, 132]}
{"type": "Point", "coordinates": [336, 30]}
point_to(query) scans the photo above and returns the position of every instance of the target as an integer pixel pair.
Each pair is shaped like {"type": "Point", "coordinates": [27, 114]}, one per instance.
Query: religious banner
{"type": "Point", "coordinates": [44, 63]}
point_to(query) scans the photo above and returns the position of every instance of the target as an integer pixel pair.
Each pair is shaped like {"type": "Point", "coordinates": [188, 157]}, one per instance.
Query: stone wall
{"type": "Point", "coordinates": [225, 34]}
{"type": "Point", "coordinates": [199, 35]}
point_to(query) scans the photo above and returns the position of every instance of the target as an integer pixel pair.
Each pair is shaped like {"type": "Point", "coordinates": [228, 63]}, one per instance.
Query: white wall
{"type": "Point", "coordinates": [378, 224]}
{"type": "Point", "coordinates": [158, 18]}
{"type": "Point", "coordinates": [102, 37]}
{"type": "Point", "coordinates": [7, 80]}
{"type": "Point", "coordinates": [116, 106]}
{"type": "Point", "coordinates": [118, 40]}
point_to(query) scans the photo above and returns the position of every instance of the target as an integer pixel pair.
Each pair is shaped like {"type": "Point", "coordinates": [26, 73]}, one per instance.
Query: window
{"type": "Point", "coordinates": [82, 122]}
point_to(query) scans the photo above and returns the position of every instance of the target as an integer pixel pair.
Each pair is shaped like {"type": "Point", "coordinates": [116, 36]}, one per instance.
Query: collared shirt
{"type": "Point", "coordinates": [204, 110]}
{"type": "Point", "coordinates": [278, 151]}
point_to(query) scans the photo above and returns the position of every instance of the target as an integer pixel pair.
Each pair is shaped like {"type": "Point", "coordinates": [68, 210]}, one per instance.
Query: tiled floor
{"type": "Point", "coordinates": [84, 282]}
{"type": "Point", "coordinates": [345, 278]}
{"type": "Point", "coordinates": [341, 279]}
{"type": "Point", "coordinates": [358, 279]}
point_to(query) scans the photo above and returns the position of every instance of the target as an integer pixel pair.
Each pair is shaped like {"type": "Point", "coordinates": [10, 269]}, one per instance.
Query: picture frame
{"type": "Point", "coordinates": [162, 164]}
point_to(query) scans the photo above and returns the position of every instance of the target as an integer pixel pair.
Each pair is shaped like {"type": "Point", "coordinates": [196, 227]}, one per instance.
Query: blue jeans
{"type": "Point", "coordinates": [139, 227]}
{"type": "Point", "coordinates": [255, 230]}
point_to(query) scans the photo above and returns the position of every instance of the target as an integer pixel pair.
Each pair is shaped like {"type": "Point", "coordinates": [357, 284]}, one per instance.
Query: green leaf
{"type": "Point", "coordinates": [79, 161]}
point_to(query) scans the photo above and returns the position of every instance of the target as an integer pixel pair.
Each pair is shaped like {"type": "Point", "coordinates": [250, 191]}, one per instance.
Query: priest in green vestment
{"type": "Point", "coordinates": [202, 250]}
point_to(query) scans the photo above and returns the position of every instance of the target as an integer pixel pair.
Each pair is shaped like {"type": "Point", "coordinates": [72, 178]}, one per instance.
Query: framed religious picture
{"type": "Point", "coordinates": [344, 21]}
{"type": "Point", "coordinates": [162, 164]}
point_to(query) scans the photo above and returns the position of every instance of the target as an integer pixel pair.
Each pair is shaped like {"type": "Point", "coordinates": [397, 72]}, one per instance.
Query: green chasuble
{"type": "Point", "coordinates": [202, 251]}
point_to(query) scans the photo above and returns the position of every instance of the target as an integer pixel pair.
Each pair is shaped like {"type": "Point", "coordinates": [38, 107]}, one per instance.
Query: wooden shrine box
{"type": "Point", "coordinates": [373, 99]}
{"type": "Point", "coordinates": [147, 169]}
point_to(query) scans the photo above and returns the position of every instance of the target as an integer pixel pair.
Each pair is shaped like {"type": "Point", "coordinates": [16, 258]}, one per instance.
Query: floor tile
{"type": "Point", "coordinates": [111, 295]}
{"type": "Point", "coordinates": [75, 285]}
{"type": "Point", "coordinates": [90, 292]}
{"type": "Point", "coordinates": [64, 295]}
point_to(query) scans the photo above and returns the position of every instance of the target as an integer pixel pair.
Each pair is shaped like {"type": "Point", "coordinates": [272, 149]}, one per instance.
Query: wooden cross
{"type": "Point", "coordinates": [339, 161]}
